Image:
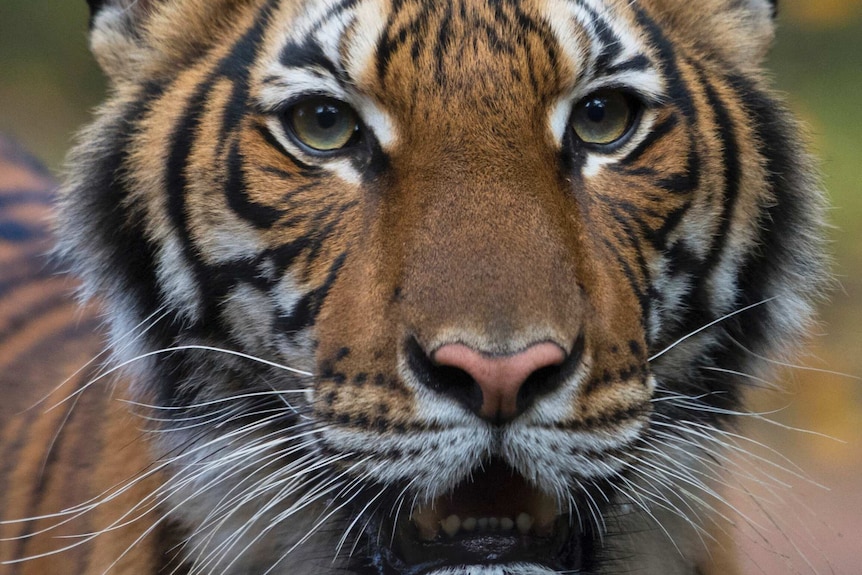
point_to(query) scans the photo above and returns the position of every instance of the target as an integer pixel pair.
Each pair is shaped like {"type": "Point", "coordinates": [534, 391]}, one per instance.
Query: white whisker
{"type": "Point", "coordinates": [709, 325]}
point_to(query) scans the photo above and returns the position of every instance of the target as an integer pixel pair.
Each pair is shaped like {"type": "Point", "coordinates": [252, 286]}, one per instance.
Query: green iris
{"type": "Point", "coordinates": [603, 118]}
{"type": "Point", "coordinates": [323, 124]}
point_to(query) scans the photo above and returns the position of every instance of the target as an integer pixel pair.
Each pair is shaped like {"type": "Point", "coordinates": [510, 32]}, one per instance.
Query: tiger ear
{"type": "Point", "coordinates": [741, 30]}
{"type": "Point", "coordinates": [755, 28]}
{"type": "Point", "coordinates": [116, 37]}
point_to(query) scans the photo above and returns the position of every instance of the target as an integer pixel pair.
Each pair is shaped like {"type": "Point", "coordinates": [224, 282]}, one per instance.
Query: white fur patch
{"type": "Point", "coordinates": [177, 280]}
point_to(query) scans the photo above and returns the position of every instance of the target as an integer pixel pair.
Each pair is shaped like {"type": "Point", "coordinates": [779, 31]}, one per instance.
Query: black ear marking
{"type": "Point", "coordinates": [95, 6]}
{"type": "Point", "coordinates": [774, 7]}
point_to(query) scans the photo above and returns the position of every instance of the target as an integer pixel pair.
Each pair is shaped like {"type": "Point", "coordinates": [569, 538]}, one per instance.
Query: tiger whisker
{"type": "Point", "coordinates": [661, 487]}
{"type": "Point", "coordinates": [357, 517]}
{"type": "Point", "coordinates": [703, 433]}
{"type": "Point", "coordinates": [322, 520]}
{"type": "Point", "coordinates": [632, 495]}
{"type": "Point", "coordinates": [688, 478]}
{"type": "Point", "coordinates": [794, 366]}
{"type": "Point", "coordinates": [175, 486]}
{"type": "Point", "coordinates": [693, 333]}
{"type": "Point", "coordinates": [95, 358]}
{"type": "Point", "coordinates": [766, 383]}
{"type": "Point", "coordinates": [397, 506]}
{"type": "Point", "coordinates": [320, 489]}
{"type": "Point", "coordinates": [719, 461]}
{"type": "Point", "coordinates": [595, 513]}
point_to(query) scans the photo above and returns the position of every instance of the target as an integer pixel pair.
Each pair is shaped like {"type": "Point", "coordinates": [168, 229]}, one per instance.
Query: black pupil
{"type": "Point", "coordinates": [596, 109]}
{"type": "Point", "coordinates": [327, 116]}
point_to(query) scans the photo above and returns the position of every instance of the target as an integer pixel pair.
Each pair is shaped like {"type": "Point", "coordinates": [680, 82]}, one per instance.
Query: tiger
{"type": "Point", "coordinates": [403, 287]}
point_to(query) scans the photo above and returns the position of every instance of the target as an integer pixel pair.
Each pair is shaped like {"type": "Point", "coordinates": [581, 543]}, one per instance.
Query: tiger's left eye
{"type": "Point", "coordinates": [323, 124]}
{"type": "Point", "coordinates": [604, 117]}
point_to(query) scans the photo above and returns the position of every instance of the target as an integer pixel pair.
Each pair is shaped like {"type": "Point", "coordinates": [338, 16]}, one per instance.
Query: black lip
{"type": "Point", "coordinates": [409, 555]}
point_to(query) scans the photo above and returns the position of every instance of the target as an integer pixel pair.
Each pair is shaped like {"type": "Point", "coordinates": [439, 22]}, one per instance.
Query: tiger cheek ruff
{"type": "Point", "coordinates": [430, 287]}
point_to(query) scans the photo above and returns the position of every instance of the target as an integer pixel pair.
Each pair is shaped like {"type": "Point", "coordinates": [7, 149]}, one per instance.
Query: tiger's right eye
{"type": "Point", "coordinates": [323, 124]}
{"type": "Point", "coordinates": [604, 118]}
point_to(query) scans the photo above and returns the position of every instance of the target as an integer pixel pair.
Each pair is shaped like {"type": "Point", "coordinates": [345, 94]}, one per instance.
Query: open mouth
{"type": "Point", "coordinates": [494, 517]}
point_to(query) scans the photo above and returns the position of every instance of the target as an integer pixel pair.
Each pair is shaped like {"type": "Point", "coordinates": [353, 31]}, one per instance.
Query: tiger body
{"type": "Point", "coordinates": [482, 299]}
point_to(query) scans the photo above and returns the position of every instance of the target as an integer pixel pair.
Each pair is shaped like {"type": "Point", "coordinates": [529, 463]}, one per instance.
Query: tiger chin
{"type": "Point", "coordinates": [440, 287]}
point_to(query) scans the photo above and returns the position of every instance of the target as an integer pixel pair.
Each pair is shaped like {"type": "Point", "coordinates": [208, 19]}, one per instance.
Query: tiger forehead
{"type": "Point", "coordinates": [404, 53]}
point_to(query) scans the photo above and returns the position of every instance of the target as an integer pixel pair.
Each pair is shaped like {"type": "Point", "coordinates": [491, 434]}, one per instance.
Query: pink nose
{"type": "Point", "coordinates": [500, 377]}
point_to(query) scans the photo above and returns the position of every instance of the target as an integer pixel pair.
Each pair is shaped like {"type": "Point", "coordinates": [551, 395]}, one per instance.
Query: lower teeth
{"type": "Point", "coordinates": [453, 525]}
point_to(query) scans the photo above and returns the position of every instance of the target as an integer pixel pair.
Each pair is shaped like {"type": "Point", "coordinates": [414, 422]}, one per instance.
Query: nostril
{"type": "Point", "coordinates": [444, 379]}
{"type": "Point", "coordinates": [541, 381]}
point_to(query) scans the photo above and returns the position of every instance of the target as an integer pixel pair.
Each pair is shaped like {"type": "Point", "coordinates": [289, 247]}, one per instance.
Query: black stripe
{"type": "Point", "coordinates": [632, 277]}
{"type": "Point", "coordinates": [540, 31]}
{"type": "Point", "coordinates": [391, 42]}
{"type": "Point", "coordinates": [730, 160]}
{"type": "Point", "coordinates": [639, 63]}
{"type": "Point", "coordinates": [307, 170]}
{"type": "Point", "coordinates": [309, 54]}
{"type": "Point", "coordinates": [782, 224]}
{"type": "Point", "coordinates": [658, 132]}
{"type": "Point", "coordinates": [611, 45]}
{"type": "Point", "coordinates": [640, 284]}
{"type": "Point", "coordinates": [260, 216]}
{"type": "Point", "coordinates": [700, 311]}
{"type": "Point", "coordinates": [334, 12]}
{"type": "Point", "coordinates": [106, 211]}
{"type": "Point", "coordinates": [677, 90]}
{"type": "Point", "coordinates": [688, 180]}
{"type": "Point", "coordinates": [307, 309]}
{"type": "Point", "coordinates": [658, 238]}
{"type": "Point", "coordinates": [176, 178]}
{"type": "Point", "coordinates": [444, 35]}
{"type": "Point", "coordinates": [277, 172]}
{"type": "Point", "coordinates": [16, 232]}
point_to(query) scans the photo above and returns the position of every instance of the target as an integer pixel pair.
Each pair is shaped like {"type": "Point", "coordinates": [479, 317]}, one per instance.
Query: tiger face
{"type": "Point", "coordinates": [441, 287]}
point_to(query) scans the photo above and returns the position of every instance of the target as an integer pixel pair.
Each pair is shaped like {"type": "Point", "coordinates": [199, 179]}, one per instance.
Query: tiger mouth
{"type": "Point", "coordinates": [494, 517]}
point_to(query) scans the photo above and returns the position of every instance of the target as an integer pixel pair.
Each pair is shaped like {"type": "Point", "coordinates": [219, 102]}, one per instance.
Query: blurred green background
{"type": "Point", "coordinates": [48, 84]}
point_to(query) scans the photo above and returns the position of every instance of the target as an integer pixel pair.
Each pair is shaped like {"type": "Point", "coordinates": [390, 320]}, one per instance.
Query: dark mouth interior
{"type": "Point", "coordinates": [494, 517]}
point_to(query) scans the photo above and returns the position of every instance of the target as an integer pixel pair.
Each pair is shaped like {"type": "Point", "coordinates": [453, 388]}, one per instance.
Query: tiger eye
{"type": "Point", "coordinates": [323, 124]}
{"type": "Point", "coordinates": [603, 118]}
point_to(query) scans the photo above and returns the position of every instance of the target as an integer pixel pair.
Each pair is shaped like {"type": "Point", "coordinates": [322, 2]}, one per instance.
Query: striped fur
{"type": "Point", "coordinates": [60, 448]}
{"type": "Point", "coordinates": [277, 311]}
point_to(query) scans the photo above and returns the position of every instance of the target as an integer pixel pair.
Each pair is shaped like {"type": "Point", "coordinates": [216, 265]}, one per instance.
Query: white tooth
{"type": "Point", "coordinates": [469, 524]}
{"type": "Point", "coordinates": [524, 523]}
{"type": "Point", "coordinates": [506, 523]}
{"type": "Point", "coordinates": [426, 522]}
{"type": "Point", "coordinates": [493, 522]}
{"type": "Point", "coordinates": [451, 525]}
{"type": "Point", "coordinates": [483, 523]}
{"type": "Point", "coordinates": [544, 515]}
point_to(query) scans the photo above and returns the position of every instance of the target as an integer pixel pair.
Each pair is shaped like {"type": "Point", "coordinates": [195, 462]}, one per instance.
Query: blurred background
{"type": "Point", "coordinates": [48, 84]}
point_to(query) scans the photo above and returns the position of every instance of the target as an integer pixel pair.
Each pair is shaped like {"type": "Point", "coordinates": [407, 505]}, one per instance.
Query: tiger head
{"type": "Point", "coordinates": [441, 287]}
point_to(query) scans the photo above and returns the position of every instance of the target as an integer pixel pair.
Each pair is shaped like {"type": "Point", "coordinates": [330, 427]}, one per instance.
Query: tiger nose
{"type": "Point", "coordinates": [502, 379]}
